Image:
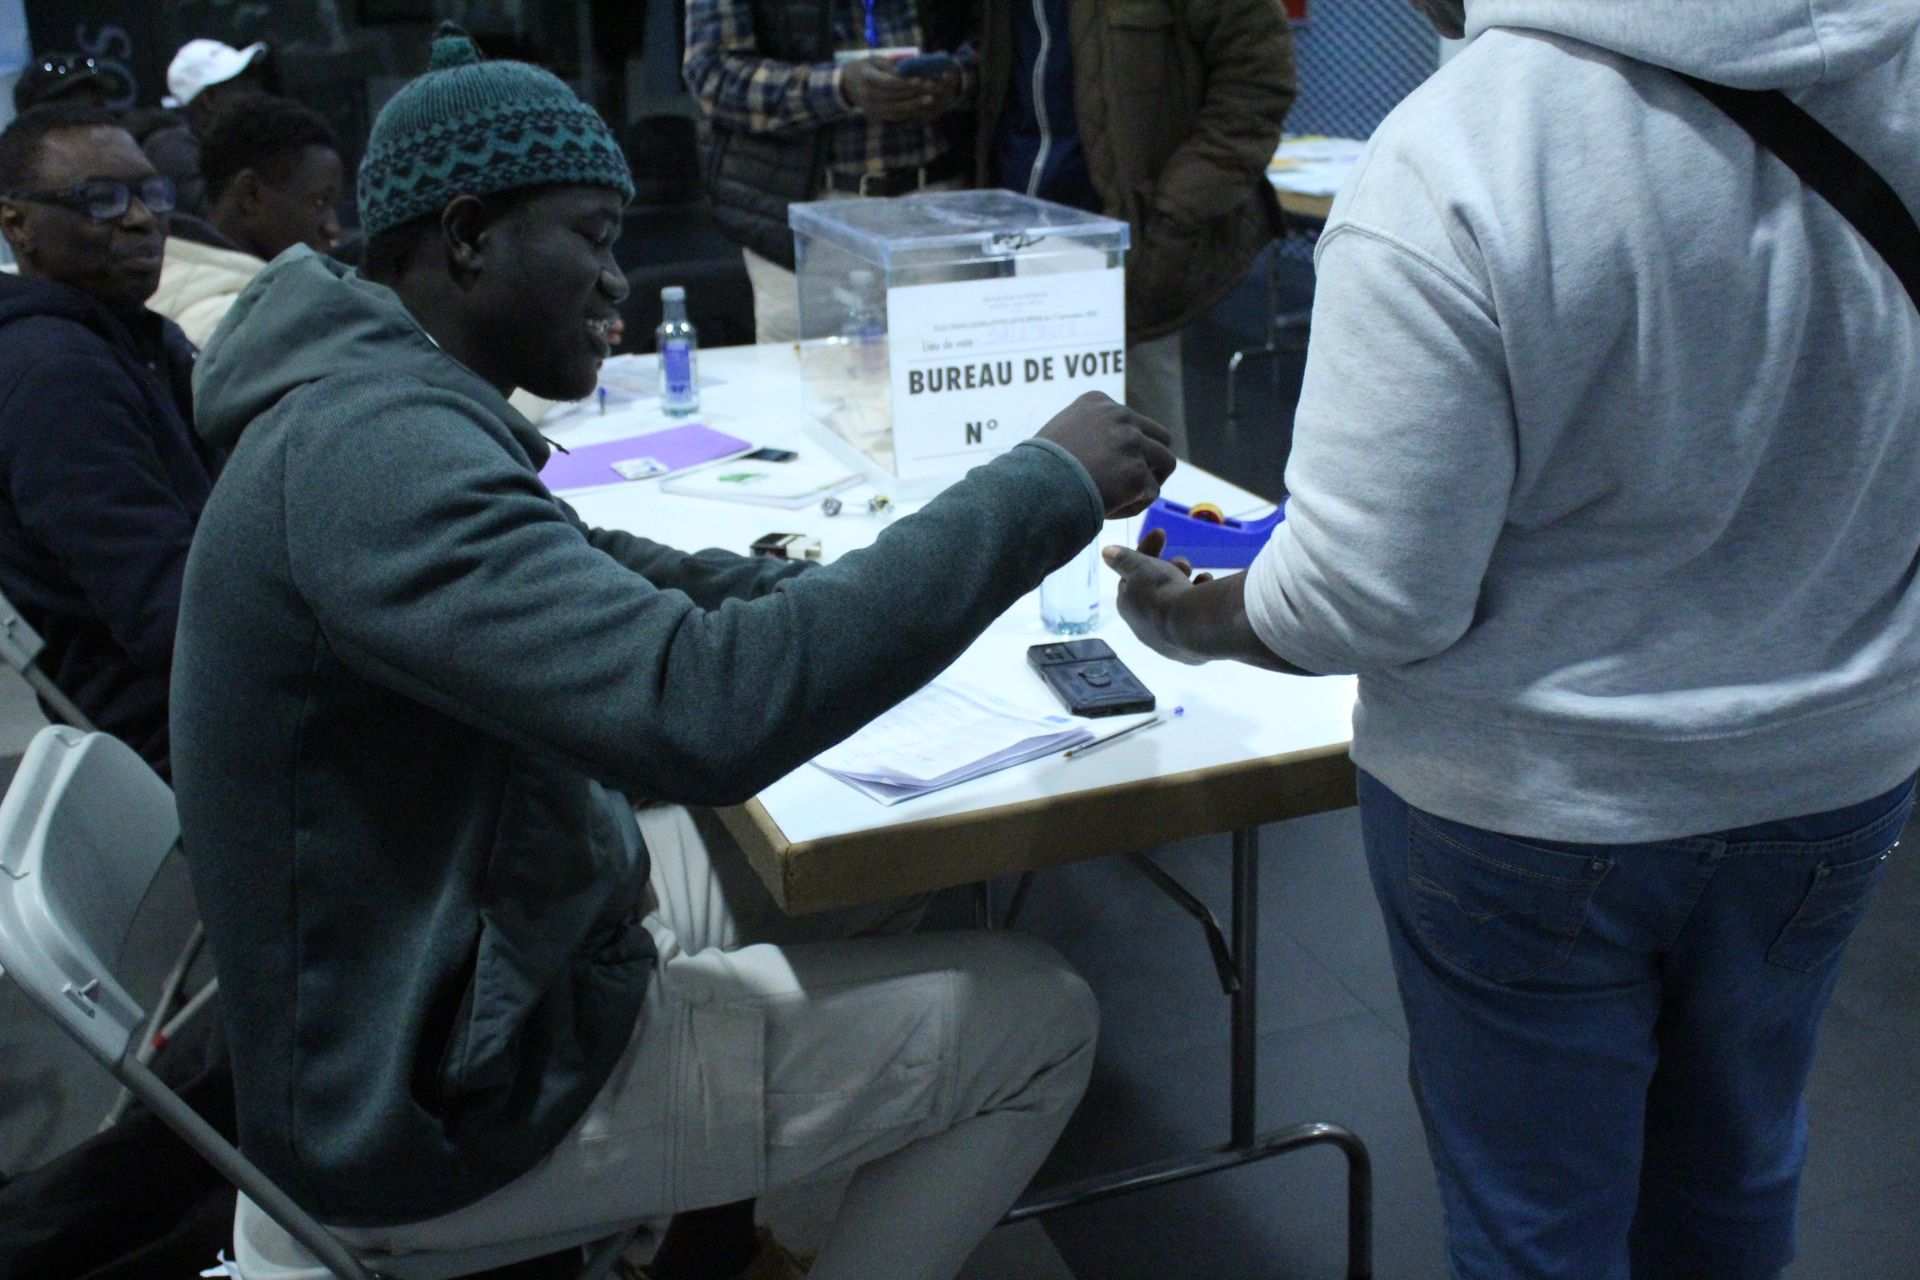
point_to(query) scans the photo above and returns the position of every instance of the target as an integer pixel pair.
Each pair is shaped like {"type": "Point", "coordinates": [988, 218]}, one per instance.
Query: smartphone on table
{"type": "Point", "coordinates": [1089, 679]}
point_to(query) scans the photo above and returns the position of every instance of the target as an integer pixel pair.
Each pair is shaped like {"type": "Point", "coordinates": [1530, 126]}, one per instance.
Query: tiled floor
{"type": "Point", "coordinates": [1334, 1048]}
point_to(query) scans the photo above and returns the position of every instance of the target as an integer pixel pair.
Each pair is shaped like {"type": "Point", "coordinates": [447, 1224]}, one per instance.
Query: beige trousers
{"type": "Point", "coordinates": [776, 299]}
{"type": "Point", "coordinates": [936, 1069]}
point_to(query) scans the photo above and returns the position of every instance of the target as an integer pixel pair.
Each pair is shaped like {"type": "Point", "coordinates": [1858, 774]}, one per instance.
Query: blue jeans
{"type": "Point", "coordinates": [1610, 1043]}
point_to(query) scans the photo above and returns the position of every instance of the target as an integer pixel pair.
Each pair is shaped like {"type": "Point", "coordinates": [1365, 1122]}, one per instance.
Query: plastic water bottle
{"type": "Point", "coordinates": [865, 330]}
{"type": "Point", "coordinates": [1070, 595]}
{"type": "Point", "coordinates": [679, 350]}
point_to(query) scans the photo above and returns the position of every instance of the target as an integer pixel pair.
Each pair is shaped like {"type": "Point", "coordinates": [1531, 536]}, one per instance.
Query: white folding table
{"type": "Point", "coordinates": [1250, 748]}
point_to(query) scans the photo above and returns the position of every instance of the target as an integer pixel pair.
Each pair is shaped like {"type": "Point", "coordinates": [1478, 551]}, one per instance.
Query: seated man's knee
{"type": "Point", "coordinates": [1021, 996]}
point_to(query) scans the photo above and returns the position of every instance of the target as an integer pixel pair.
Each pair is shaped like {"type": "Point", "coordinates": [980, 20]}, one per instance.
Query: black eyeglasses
{"type": "Point", "coordinates": [106, 201]}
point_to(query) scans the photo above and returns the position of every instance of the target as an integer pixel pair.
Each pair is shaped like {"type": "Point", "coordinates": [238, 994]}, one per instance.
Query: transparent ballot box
{"type": "Point", "coordinates": [938, 330]}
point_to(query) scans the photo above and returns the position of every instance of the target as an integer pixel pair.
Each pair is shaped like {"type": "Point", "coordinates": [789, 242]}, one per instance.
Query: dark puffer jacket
{"type": "Point", "coordinates": [101, 484]}
{"type": "Point", "coordinates": [1179, 105]}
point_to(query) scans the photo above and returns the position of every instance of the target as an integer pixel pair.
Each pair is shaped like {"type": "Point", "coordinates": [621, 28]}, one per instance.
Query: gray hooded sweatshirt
{"type": "Point", "coordinates": [1607, 468]}
{"type": "Point", "coordinates": [411, 695]}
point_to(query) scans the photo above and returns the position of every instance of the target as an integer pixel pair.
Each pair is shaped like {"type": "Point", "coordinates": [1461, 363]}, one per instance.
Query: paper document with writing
{"type": "Point", "coordinates": [944, 734]}
{"type": "Point", "coordinates": [1314, 165]}
{"type": "Point", "coordinates": [791, 484]}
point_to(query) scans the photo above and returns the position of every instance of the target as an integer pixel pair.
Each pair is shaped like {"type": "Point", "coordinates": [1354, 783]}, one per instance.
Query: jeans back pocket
{"type": "Point", "coordinates": [1830, 912]}
{"type": "Point", "coordinates": [1500, 908]}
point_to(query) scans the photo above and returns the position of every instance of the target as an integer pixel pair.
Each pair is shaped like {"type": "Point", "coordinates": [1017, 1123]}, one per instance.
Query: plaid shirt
{"type": "Point", "coordinates": [737, 86]}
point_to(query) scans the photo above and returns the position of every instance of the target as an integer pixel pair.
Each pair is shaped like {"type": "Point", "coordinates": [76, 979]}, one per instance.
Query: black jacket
{"type": "Point", "coordinates": [753, 177]}
{"type": "Point", "coordinates": [1177, 110]}
{"type": "Point", "coordinates": [101, 484]}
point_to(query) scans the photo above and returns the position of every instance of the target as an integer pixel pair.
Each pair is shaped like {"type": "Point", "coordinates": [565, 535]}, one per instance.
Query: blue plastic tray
{"type": "Point", "coordinates": [1229, 545]}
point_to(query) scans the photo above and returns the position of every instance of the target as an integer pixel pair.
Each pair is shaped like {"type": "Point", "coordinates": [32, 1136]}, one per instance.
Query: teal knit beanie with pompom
{"type": "Point", "coordinates": [470, 127]}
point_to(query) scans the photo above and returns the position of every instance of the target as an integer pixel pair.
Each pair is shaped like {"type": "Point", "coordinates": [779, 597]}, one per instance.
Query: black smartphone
{"type": "Point", "coordinates": [1088, 679]}
{"type": "Point", "coordinates": [786, 546]}
{"type": "Point", "coordinates": [769, 455]}
{"type": "Point", "coordinates": [925, 66]}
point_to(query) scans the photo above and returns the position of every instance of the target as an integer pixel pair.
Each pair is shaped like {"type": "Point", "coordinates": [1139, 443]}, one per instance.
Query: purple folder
{"type": "Point", "coordinates": [657, 453]}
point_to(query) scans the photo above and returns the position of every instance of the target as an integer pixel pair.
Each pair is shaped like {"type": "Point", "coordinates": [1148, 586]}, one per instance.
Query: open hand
{"type": "Point", "coordinates": [1189, 617]}
{"type": "Point", "coordinates": [1152, 592]}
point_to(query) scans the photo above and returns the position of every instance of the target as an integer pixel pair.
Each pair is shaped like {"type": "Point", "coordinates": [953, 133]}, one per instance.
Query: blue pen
{"type": "Point", "coordinates": [602, 393]}
{"type": "Point", "coordinates": [873, 29]}
{"type": "Point", "coordinates": [1103, 740]}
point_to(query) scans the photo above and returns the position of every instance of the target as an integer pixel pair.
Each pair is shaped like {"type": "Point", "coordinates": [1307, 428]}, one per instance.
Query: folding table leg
{"type": "Point", "coordinates": [1246, 1144]}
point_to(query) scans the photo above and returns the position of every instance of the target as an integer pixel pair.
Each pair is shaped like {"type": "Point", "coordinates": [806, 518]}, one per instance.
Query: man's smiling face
{"type": "Point", "coordinates": [116, 259]}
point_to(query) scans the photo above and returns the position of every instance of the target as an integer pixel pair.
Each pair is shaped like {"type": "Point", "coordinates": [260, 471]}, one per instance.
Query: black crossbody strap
{"type": "Point", "coordinates": [1830, 167]}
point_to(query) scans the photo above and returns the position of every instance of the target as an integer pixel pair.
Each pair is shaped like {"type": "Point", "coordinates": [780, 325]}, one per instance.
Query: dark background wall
{"type": "Point", "coordinates": [125, 33]}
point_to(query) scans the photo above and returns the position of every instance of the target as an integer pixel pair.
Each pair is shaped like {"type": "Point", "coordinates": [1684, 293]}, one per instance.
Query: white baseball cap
{"type": "Point", "coordinates": [203, 62]}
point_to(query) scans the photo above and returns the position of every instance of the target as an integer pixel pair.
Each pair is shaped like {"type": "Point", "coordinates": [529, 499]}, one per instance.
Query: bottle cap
{"type": "Point", "coordinates": [673, 293]}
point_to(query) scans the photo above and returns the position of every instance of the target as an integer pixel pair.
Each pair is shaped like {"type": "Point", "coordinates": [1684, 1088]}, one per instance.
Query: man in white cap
{"type": "Point", "coordinates": [203, 76]}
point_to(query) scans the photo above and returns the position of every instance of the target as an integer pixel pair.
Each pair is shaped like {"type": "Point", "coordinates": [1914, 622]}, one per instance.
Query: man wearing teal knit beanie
{"type": "Point", "coordinates": [489, 982]}
{"type": "Point", "coordinates": [470, 127]}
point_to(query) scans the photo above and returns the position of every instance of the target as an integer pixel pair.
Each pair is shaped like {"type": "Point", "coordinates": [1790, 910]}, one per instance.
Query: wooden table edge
{"type": "Point", "coordinates": [913, 857]}
{"type": "Point", "coordinates": [1312, 208]}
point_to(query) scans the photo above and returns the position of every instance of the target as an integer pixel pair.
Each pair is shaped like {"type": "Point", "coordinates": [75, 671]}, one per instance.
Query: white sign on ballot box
{"type": "Point", "coordinates": [979, 365]}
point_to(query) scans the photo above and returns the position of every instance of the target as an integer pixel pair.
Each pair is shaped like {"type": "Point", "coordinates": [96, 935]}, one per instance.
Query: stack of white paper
{"type": "Point", "coordinates": [1313, 165]}
{"type": "Point", "coordinates": [792, 484]}
{"type": "Point", "coordinates": [944, 734]}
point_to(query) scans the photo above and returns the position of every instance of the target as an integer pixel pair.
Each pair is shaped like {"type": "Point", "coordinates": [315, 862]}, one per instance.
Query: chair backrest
{"type": "Point", "coordinates": [83, 832]}
{"type": "Point", "coordinates": [20, 647]}
{"type": "Point", "coordinates": [20, 644]}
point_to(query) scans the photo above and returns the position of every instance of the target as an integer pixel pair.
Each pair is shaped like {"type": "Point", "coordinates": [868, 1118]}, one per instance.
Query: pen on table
{"type": "Point", "coordinates": [1105, 738]}
{"type": "Point", "coordinates": [601, 393]}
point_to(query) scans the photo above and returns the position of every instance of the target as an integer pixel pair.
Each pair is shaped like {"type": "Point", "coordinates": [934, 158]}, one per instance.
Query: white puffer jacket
{"type": "Point", "coordinates": [198, 282]}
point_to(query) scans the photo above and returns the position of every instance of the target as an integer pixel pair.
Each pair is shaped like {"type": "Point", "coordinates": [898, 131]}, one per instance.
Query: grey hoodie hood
{"type": "Point", "coordinates": [1750, 44]}
{"type": "Point", "coordinates": [266, 348]}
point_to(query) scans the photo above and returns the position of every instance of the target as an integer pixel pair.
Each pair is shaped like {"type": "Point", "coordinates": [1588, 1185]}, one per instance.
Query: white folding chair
{"type": "Point", "coordinates": [84, 830]}
{"type": "Point", "coordinates": [20, 648]}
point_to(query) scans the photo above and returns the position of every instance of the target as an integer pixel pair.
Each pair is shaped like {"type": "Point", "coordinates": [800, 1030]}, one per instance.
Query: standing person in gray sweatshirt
{"type": "Point", "coordinates": [471, 999]}
{"type": "Point", "coordinates": [1604, 483]}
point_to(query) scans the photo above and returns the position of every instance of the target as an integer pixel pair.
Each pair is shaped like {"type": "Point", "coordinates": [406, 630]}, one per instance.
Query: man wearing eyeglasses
{"type": "Point", "coordinates": [101, 480]}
